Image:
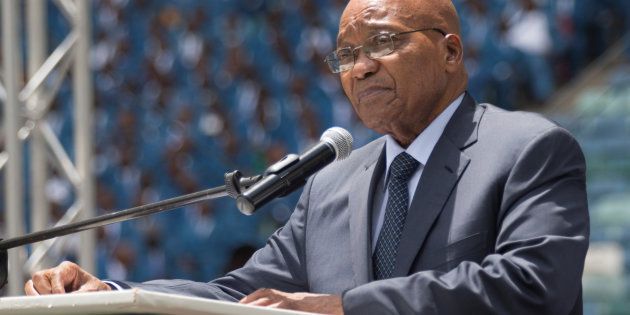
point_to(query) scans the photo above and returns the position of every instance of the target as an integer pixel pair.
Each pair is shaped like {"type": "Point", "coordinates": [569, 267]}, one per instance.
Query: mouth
{"type": "Point", "coordinates": [372, 92]}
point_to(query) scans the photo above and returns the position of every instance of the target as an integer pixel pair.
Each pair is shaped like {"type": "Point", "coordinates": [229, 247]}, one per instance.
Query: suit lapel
{"type": "Point", "coordinates": [360, 207]}
{"type": "Point", "coordinates": [438, 179]}
{"type": "Point", "coordinates": [445, 166]}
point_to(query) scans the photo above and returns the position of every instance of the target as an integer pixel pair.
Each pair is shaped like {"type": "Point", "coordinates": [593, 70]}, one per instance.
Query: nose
{"type": "Point", "coordinates": [364, 67]}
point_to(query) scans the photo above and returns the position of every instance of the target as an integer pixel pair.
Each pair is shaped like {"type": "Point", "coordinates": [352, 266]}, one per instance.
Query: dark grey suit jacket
{"type": "Point", "coordinates": [498, 225]}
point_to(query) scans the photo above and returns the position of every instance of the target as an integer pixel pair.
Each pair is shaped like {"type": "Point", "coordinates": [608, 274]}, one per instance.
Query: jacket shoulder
{"type": "Point", "coordinates": [515, 126]}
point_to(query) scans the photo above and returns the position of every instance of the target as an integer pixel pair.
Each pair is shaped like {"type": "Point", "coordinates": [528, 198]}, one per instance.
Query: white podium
{"type": "Point", "coordinates": [133, 301]}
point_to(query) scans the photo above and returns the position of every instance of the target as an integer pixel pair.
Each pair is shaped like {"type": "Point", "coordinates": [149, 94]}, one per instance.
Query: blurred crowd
{"type": "Point", "coordinates": [520, 52]}
{"type": "Point", "coordinates": [188, 90]}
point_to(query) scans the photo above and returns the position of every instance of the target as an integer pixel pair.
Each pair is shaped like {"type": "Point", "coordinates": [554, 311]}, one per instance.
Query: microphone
{"type": "Point", "coordinates": [291, 172]}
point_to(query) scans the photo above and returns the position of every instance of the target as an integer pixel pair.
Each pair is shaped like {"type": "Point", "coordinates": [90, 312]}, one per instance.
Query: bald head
{"type": "Point", "coordinates": [415, 13]}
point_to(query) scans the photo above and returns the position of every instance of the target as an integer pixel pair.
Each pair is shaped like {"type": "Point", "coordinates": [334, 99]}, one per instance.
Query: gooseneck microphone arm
{"type": "Point", "coordinates": [128, 214]}
{"type": "Point", "coordinates": [118, 216]}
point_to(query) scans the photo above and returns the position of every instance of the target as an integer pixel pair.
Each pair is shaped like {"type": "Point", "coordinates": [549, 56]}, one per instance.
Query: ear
{"type": "Point", "coordinates": [454, 52]}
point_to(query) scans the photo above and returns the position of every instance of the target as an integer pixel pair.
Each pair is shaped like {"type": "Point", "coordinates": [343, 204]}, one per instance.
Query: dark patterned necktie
{"type": "Point", "coordinates": [403, 166]}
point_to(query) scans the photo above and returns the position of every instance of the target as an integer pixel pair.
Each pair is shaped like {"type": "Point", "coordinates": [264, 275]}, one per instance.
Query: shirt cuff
{"type": "Point", "coordinates": [113, 285]}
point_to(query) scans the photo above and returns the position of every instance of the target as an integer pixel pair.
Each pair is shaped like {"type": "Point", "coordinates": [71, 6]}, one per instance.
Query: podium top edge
{"type": "Point", "coordinates": [128, 301]}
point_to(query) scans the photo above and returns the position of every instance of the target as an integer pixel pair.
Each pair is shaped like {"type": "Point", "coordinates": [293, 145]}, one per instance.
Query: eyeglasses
{"type": "Point", "coordinates": [374, 47]}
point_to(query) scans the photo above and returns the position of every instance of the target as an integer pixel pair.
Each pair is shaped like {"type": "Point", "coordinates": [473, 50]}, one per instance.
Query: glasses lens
{"type": "Point", "coordinates": [379, 45]}
{"type": "Point", "coordinates": [340, 60]}
{"type": "Point", "coordinates": [376, 46]}
{"type": "Point", "coordinates": [332, 62]}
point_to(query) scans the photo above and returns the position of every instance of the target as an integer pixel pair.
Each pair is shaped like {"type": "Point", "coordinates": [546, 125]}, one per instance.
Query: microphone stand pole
{"type": "Point", "coordinates": [234, 183]}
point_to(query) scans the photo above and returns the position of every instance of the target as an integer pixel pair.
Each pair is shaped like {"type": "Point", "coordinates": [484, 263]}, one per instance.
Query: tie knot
{"type": "Point", "coordinates": [403, 166]}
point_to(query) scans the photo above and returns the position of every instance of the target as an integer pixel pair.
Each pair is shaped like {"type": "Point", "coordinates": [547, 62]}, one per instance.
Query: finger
{"type": "Point", "coordinates": [274, 305]}
{"type": "Point", "coordinates": [251, 297]}
{"type": "Point", "coordinates": [260, 293]}
{"type": "Point", "coordinates": [29, 289]}
{"type": "Point", "coordinates": [88, 287]}
{"type": "Point", "coordinates": [262, 302]}
{"type": "Point", "coordinates": [57, 282]}
{"type": "Point", "coordinates": [41, 284]}
{"type": "Point", "coordinates": [94, 286]}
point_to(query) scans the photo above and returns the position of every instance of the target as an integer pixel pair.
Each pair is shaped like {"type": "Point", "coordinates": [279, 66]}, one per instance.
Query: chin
{"type": "Point", "coordinates": [379, 126]}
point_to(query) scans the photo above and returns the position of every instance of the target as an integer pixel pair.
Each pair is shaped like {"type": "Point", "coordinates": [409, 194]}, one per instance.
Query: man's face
{"type": "Point", "coordinates": [398, 92]}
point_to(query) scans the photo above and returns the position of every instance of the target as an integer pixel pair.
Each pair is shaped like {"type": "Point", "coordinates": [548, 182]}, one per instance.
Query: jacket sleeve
{"type": "Point", "coordinates": [279, 265]}
{"type": "Point", "coordinates": [536, 268]}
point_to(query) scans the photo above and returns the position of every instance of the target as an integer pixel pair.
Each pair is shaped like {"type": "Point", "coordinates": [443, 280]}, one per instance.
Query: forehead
{"type": "Point", "coordinates": [367, 15]}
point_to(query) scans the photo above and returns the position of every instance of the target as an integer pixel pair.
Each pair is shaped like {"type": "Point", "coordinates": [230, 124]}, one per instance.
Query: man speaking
{"type": "Point", "coordinates": [461, 208]}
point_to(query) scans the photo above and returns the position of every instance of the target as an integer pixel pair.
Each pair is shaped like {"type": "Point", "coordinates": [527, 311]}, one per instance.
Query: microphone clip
{"type": "Point", "coordinates": [235, 183]}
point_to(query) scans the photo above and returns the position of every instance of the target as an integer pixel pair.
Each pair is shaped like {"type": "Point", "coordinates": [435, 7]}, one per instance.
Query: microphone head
{"type": "Point", "coordinates": [340, 139]}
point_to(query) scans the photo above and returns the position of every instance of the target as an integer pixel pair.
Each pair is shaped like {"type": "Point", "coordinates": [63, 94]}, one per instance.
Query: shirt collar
{"type": "Point", "coordinates": [423, 145]}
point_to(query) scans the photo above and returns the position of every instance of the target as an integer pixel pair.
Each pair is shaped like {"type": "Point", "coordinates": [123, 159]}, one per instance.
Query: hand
{"type": "Point", "coordinates": [65, 278]}
{"type": "Point", "coordinates": [307, 302]}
